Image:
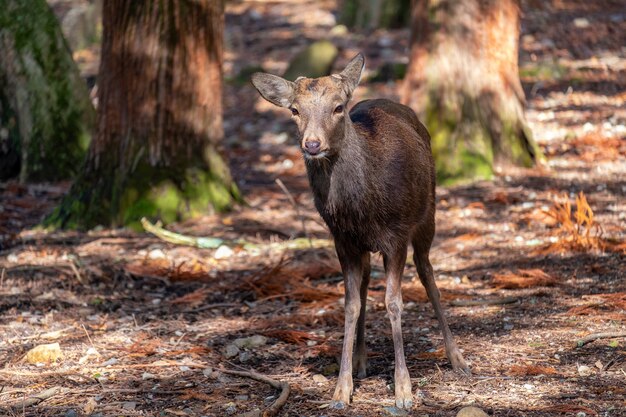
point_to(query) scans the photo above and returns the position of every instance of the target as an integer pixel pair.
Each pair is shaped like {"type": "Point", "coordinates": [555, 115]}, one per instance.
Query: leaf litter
{"type": "Point", "coordinates": [141, 300]}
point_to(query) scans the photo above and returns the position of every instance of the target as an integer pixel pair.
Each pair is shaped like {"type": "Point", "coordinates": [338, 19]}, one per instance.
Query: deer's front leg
{"type": "Point", "coordinates": [352, 267]}
{"type": "Point", "coordinates": [394, 266]}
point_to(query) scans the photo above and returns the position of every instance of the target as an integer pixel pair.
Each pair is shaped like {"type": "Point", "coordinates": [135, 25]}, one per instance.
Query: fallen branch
{"type": "Point", "coordinates": [36, 399]}
{"type": "Point", "coordinates": [199, 242]}
{"type": "Point", "coordinates": [283, 386]}
{"type": "Point", "coordinates": [214, 242]}
{"type": "Point", "coordinates": [595, 336]}
{"type": "Point", "coordinates": [490, 302]}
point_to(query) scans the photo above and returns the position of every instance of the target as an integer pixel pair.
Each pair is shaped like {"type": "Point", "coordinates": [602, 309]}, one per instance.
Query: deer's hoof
{"type": "Point", "coordinates": [404, 403]}
{"type": "Point", "coordinates": [337, 405]}
{"type": "Point", "coordinates": [458, 363]}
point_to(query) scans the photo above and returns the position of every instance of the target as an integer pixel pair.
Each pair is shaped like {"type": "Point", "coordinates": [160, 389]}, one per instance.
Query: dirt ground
{"type": "Point", "coordinates": [146, 327]}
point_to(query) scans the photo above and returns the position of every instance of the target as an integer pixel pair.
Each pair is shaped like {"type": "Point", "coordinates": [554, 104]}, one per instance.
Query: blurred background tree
{"type": "Point", "coordinates": [463, 81]}
{"type": "Point", "coordinates": [155, 153]}
{"type": "Point", "coordinates": [374, 14]}
{"type": "Point", "coordinates": [46, 116]}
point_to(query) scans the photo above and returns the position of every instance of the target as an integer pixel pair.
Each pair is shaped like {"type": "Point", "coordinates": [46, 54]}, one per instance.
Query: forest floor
{"type": "Point", "coordinates": [145, 327]}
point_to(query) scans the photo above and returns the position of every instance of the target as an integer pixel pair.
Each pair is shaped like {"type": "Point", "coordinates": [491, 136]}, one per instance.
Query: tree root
{"type": "Point", "coordinates": [490, 302]}
{"type": "Point", "coordinates": [283, 386]}
{"type": "Point", "coordinates": [595, 336]}
{"type": "Point", "coordinates": [213, 242]}
{"type": "Point", "coordinates": [37, 398]}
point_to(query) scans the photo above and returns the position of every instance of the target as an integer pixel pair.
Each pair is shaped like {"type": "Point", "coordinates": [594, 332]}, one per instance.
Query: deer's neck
{"type": "Point", "coordinates": [339, 181]}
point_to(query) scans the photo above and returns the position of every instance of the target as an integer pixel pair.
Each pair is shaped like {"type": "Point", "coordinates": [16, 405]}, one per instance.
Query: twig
{"type": "Point", "coordinates": [179, 339]}
{"type": "Point", "coordinates": [12, 391]}
{"type": "Point", "coordinates": [36, 399]}
{"type": "Point", "coordinates": [89, 337]}
{"type": "Point", "coordinates": [211, 306]}
{"type": "Point", "coordinates": [2, 277]}
{"type": "Point", "coordinates": [158, 364]}
{"type": "Point", "coordinates": [294, 204]}
{"type": "Point", "coordinates": [495, 301]}
{"type": "Point", "coordinates": [76, 272]}
{"type": "Point", "coordinates": [283, 386]}
{"type": "Point", "coordinates": [48, 335]}
{"type": "Point", "coordinates": [595, 336]}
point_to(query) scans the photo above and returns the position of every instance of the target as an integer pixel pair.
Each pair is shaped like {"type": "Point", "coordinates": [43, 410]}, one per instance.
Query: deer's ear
{"type": "Point", "coordinates": [352, 73]}
{"type": "Point", "coordinates": [274, 89]}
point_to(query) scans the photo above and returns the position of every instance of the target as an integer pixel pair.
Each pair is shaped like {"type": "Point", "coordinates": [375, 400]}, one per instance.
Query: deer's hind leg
{"type": "Point", "coordinates": [421, 241]}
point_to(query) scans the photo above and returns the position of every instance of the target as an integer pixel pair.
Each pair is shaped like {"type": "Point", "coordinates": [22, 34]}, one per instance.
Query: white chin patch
{"type": "Point", "coordinates": [310, 157]}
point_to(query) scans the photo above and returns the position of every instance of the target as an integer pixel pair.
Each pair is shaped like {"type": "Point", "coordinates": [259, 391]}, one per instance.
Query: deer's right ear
{"type": "Point", "coordinates": [274, 89]}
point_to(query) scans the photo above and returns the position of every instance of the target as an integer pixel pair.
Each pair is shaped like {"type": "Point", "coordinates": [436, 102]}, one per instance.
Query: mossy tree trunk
{"type": "Point", "coordinates": [156, 152]}
{"type": "Point", "coordinates": [46, 116]}
{"type": "Point", "coordinates": [374, 14]}
{"type": "Point", "coordinates": [463, 80]}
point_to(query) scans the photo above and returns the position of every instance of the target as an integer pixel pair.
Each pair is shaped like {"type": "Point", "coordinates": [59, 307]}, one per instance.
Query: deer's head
{"type": "Point", "coordinates": [317, 105]}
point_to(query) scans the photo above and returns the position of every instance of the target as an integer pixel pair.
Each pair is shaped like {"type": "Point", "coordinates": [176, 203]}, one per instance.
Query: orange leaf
{"type": "Point", "coordinates": [525, 278]}
{"type": "Point", "coordinates": [437, 354]}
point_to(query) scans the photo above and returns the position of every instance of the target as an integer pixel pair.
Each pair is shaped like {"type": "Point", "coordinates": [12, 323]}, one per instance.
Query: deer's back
{"type": "Point", "coordinates": [397, 143]}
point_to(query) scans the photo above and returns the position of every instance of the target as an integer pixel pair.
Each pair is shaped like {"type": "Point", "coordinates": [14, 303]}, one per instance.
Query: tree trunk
{"type": "Point", "coordinates": [159, 118]}
{"type": "Point", "coordinates": [463, 80]}
{"type": "Point", "coordinates": [46, 116]}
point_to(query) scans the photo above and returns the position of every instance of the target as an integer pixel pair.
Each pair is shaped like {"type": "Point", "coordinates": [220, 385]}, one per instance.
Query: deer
{"type": "Point", "coordinates": [372, 174]}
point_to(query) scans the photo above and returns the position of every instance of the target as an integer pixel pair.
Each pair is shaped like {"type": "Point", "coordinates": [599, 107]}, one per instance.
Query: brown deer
{"type": "Point", "coordinates": [373, 181]}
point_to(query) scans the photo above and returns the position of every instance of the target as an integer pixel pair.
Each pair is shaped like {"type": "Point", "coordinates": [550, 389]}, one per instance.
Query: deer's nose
{"type": "Point", "coordinates": [312, 146]}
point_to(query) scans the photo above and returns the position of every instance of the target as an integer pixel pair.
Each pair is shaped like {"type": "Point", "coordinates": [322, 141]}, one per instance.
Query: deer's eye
{"type": "Point", "coordinates": [339, 109]}
{"type": "Point", "coordinates": [294, 111]}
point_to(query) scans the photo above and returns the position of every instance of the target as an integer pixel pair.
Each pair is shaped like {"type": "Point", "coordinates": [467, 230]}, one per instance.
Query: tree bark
{"type": "Point", "coordinates": [156, 152]}
{"type": "Point", "coordinates": [46, 117]}
{"type": "Point", "coordinates": [463, 81]}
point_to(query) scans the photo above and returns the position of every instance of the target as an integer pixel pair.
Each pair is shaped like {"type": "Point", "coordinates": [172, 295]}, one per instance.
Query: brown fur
{"type": "Point", "coordinates": [374, 185]}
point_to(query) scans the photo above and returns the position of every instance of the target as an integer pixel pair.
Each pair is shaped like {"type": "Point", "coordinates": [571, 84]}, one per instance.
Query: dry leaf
{"type": "Point", "coordinates": [90, 406]}
{"type": "Point", "coordinates": [525, 278]}
{"type": "Point", "coordinates": [296, 337]}
{"type": "Point", "coordinates": [193, 299]}
{"type": "Point", "coordinates": [437, 354]}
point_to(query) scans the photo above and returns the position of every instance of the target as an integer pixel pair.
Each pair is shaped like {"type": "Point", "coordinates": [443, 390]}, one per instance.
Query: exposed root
{"type": "Point", "coordinates": [595, 336]}
{"type": "Point", "coordinates": [489, 302]}
{"type": "Point", "coordinates": [214, 242]}
{"type": "Point", "coordinates": [283, 386]}
{"type": "Point", "coordinates": [37, 398]}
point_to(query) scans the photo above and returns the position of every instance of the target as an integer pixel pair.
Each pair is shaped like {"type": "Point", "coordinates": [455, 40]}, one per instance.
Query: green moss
{"type": "Point", "coordinates": [47, 95]}
{"type": "Point", "coordinates": [168, 194]}
{"type": "Point", "coordinates": [314, 61]}
{"type": "Point", "coordinates": [460, 143]}
{"type": "Point", "coordinates": [243, 77]}
{"type": "Point", "coordinates": [391, 13]}
{"type": "Point", "coordinates": [547, 70]}
{"type": "Point", "coordinates": [390, 71]}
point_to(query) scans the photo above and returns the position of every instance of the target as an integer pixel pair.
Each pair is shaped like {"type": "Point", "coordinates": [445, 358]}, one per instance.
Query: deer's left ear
{"type": "Point", "coordinates": [351, 75]}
